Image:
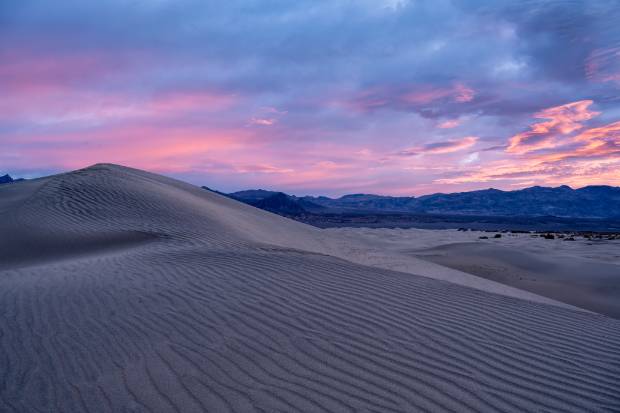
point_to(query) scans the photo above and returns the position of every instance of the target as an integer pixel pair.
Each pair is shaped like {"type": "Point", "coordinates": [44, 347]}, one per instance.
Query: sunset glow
{"type": "Point", "coordinates": [399, 99]}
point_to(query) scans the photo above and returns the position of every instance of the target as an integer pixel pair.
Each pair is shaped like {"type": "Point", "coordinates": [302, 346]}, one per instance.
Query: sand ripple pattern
{"type": "Point", "coordinates": [145, 300]}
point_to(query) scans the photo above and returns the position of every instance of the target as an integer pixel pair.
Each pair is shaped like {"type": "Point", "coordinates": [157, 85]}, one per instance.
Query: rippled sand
{"type": "Point", "coordinates": [122, 290]}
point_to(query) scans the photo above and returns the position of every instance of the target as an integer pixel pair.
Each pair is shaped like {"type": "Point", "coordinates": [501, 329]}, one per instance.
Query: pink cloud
{"type": "Point", "coordinates": [55, 89]}
{"type": "Point", "coordinates": [603, 65]}
{"type": "Point", "coordinates": [463, 93]}
{"type": "Point", "coordinates": [561, 120]}
{"type": "Point", "coordinates": [368, 100]}
{"type": "Point", "coordinates": [184, 101]}
{"type": "Point", "coordinates": [263, 168]}
{"type": "Point", "coordinates": [425, 95]}
{"type": "Point", "coordinates": [76, 105]}
{"type": "Point", "coordinates": [408, 97]}
{"type": "Point", "coordinates": [577, 172]}
{"type": "Point", "coordinates": [39, 74]}
{"type": "Point", "coordinates": [263, 122]}
{"type": "Point", "coordinates": [573, 154]}
{"type": "Point", "coordinates": [267, 116]}
{"type": "Point", "coordinates": [143, 146]}
{"type": "Point", "coordinates": [152, 131]}
{"type": "Point", "coordinates": [448, 124]}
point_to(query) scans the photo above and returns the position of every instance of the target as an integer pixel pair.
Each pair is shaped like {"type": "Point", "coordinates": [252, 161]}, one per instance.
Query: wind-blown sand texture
{"type": "Point", "coordinates": [584, 283]}
{"type": "Point", "coordinates": [584, 273]}
{"type": "Point", "coordinates": [126, 291]}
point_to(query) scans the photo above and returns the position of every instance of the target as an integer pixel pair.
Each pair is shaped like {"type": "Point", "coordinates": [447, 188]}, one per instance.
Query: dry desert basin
{"type": "Point", "coordinates": [125, 291]}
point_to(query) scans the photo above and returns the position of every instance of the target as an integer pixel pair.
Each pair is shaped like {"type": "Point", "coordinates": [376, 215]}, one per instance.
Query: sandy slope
{"type": "Point", "coordinates": [583, 273]}
{"type": "Point", "coordinates": [585, 283]}
{"type": "Point", "coordinates": [398, 250]}
{"type": "Point", "coordinates": [126, 291]}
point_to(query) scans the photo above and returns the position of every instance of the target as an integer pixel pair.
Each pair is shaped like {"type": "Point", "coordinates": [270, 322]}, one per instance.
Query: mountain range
{"type": "Point", "coordinates": [600, 201]}
{"type": "Point", "coordinates": [563, 201]}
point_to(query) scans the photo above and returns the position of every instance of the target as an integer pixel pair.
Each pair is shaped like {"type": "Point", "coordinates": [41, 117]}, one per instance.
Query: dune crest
{"type": "Point", "coordinates": [122, 290]}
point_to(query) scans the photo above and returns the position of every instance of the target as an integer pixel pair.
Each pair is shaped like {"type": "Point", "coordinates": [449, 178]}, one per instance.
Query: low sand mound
{"type": "Point", "coordinates": [391, 249]}
{"type": "Point", "coordinates": [584, 283]}
{"type": "Point", "coordinates": [125, 291]}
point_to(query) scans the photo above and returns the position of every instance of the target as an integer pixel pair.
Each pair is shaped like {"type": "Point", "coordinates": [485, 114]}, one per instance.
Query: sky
{"type": "Point", "coordinates": [396, 97]}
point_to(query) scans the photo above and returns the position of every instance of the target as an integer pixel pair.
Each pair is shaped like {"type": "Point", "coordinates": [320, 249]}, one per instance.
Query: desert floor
{"type": "Point", "coordinates": [584, 272]}
{"type": "Point", "coordinates": [122, 290]}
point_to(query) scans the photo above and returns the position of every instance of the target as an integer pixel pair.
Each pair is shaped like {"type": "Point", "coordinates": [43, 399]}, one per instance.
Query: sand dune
{"type": "Point", "coordinates": [581, 282]}
{"type": "Point", "coordinates": [584, 273]}
{"type": "Point", "coordinates": [126, 291]}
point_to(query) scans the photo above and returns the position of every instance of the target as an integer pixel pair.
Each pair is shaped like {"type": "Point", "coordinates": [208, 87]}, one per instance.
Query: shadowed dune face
{"type": "Point", "coordinates": [157, 296]}
{"type": "Point", "coordinates": [20, 250]}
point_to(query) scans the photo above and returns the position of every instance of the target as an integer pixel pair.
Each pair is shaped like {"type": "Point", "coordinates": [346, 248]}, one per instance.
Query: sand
{"type": "Point", "coordinates": [583, 273]}
{"type": "Point", "coordinates": [122, 290]}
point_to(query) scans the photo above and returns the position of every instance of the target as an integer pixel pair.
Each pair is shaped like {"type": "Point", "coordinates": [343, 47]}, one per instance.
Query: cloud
{"type": "Point", "coordinates": [603, 65]}
{"type": "Point", "coordinates": [448, 124]}
{"type": "Point", "coordinates": [444, 147]}
{"type": "Point", "coordinates": [463, 93]}
{"type": "Point", "coordinates": [263, 121]}
{"type": "Point", "coordinates": [564, 150]}
{"type": "Point", "coordinates": [267, 116]}
{"type": "Point", "coordinates": [562, 120]}
{"type": "Point", "coordinates": [471, 158]}
{"type": "Point", "coordinates": [221, 94]}
{"type": "Point", "coordinates": [264, 169]}
{"type": "Point", "coordinates": [412, 98]}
